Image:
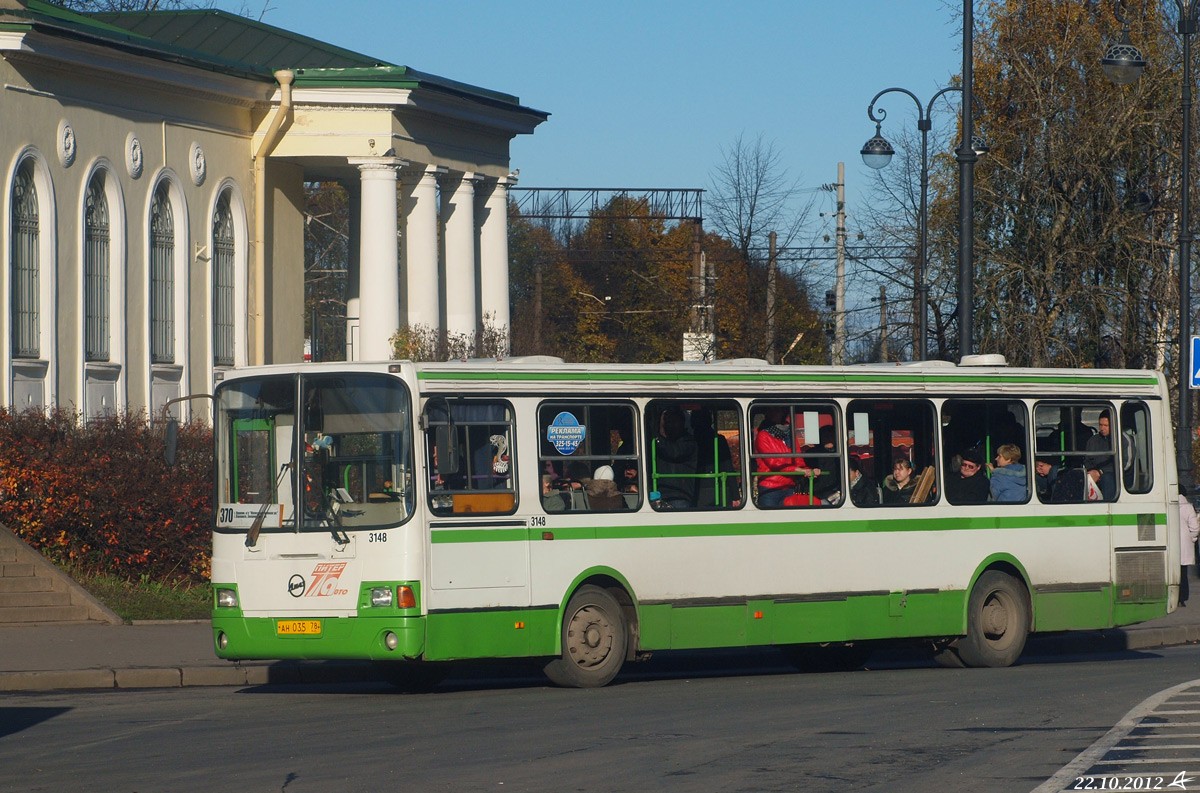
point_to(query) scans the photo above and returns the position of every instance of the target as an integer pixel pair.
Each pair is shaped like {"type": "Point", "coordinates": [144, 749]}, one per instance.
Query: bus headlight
{"type": "Point", "coordinates": [227, 598]}
{"type": "Point", "coordinates": [381, 596]}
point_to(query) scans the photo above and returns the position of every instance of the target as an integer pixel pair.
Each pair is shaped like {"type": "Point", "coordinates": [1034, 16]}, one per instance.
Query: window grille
{"type": "Point", "coordinates": [96, 282]}
{"type": "Point", "coordinates": [222, 298]}
{"type": "Point", "coordinates": [26, 287]}
{"type": "Point", "coordinates": [162, 278]}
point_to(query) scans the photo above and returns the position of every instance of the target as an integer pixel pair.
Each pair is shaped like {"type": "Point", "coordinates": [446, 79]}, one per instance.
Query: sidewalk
{"type": "Point", "coordinates": [176, 654]}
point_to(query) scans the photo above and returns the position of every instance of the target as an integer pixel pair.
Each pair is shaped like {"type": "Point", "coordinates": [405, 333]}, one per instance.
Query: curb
{"type": "Point", "coordinates": [1112, 640]}
{"type": "Point", "coordinates": [190, 676]}
{"type": "Point", "coordinates": [329, 672]}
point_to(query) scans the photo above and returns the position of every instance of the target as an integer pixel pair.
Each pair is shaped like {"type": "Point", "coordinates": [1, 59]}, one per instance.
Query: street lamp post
{"type": "Point", "coordinates": [966, 190]}
{"type": "Point", "coordinates": [1123, 63]}
{"type": "Point", "coordinates": [877, 153]}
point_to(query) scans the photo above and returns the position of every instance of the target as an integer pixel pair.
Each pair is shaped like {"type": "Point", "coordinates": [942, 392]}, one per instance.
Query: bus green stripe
{"type": "Point", "coordinates": [446, 536]}
{"type": "Point", "coordinates": [774, 376]}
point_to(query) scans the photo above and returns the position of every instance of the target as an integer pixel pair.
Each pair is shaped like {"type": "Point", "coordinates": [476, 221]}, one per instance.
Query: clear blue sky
{"type": "Point", "coordinates": [645, 93]}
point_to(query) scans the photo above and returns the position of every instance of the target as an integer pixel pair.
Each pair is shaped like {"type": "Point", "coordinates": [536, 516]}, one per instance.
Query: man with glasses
{"type": "Point", "coordinates": [968, 485]}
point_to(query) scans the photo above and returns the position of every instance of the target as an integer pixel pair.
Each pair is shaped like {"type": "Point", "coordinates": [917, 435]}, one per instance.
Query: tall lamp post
{"type": "Point", "coordinates": [1123, 63]}
{"type": "Point", "coordinates": [877, 153]}
{"type": "Point", "coordinates": [966, 189]}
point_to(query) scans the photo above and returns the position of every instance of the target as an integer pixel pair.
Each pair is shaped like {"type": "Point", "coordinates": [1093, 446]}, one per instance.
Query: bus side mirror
{"type": "Point", "coordinates": [171, 442]}
{"type": "Point", "coordinates": [446, 449]}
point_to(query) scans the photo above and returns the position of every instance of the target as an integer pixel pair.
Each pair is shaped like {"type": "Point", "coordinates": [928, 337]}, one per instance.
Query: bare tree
{"type": "Point", "coordinates": [753, 195]}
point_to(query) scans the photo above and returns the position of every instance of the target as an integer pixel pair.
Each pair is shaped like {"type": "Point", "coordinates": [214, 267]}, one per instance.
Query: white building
{"type": "Point", "coordinates": [154, 166]}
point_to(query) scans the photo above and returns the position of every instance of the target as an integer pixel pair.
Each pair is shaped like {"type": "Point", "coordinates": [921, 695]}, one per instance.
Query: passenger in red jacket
{"type": "Point", "coordinates": [774, 437]}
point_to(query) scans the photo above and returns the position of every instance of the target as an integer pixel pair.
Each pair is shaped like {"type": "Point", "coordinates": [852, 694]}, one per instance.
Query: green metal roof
{"type": "Point", "coordinates": [261, 48]}
{"type": "Point", "coordinates": [235, 39]}
{"type": "Point", "coordinates": [224, 42]}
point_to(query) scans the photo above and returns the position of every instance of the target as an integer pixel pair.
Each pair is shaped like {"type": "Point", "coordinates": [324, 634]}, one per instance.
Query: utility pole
{"type": "Point", "coordinates": [699, 287]}
{"type": "Point", "coordinates": [839, 327]}
{"type": "Point", "coordinates": [537, 303]}
{"type": "Point", "coordinates": [772, 265]}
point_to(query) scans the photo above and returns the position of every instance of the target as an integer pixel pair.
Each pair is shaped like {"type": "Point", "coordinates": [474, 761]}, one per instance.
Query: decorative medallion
{"type": "Point", "coordinates": [197, 164]}
{"type": "Point", "coordinates": [66, 144]}
{"type": "Point", "coordinates": [133, 155]}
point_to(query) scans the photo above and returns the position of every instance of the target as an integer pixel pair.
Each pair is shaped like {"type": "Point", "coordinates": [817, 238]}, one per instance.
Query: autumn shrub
{"type": "Point", "coordinates": [99, 495]}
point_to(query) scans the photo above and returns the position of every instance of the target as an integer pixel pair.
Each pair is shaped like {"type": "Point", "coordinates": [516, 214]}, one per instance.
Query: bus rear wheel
{"type": "Point", "coordinates": [594, 641]}
{"type": "Point", "coordinates": [997, 622]}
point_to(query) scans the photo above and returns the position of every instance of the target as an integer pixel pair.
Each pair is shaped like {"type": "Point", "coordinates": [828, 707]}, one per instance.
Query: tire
{"type": "Point", "coordinates": [997, 622]}
{"type": "Point", "coordinates": [827, 658]}
{"type": "Point", "coordinates": [595, 639]}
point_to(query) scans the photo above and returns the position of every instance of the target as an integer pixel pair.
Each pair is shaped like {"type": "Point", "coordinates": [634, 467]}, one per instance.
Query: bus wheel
{"type": "Point", "coordinates": [594, 641]}
{"type": "Point", "coordinates": [997, 622]}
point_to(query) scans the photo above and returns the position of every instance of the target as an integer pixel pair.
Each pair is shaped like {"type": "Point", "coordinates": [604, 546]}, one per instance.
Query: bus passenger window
{"type": "Point", "coordinates": [481, 479]}
{"type": "Point", "coordinates": [893, 441]}
{"type": "Point", "coordinates": [796, 456]}
{"type": "Point", "coordinates": [694, 454]}
{"type": "Point", "coordinates": [588, 458]}
{"type": "Point", "coordinates": [1136, 469]}
{"type": "Point", "coordinates": [973, 433]}
{"type": "Point", "coordinates": [1076, 457]}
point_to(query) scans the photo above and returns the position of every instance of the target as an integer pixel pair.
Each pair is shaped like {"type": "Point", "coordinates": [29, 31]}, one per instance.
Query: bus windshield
{"type": "Point", "coordinates": [329, 453]}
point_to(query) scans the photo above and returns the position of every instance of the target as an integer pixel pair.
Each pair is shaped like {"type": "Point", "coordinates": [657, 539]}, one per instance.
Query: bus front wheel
{"type": "Point", "coordinates": [997, 622]}
{"type": "Point", "coordinates": [594, 641]}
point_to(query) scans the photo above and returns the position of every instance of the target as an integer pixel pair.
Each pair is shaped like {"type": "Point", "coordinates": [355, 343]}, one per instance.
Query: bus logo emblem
{"type": "Point", "coordinates": [325, 579]}
{"type": "Point", "coordinates": [296, 585]}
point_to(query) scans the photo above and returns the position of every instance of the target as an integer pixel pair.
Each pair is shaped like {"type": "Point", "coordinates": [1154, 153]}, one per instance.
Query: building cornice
{"type": "Point", "coordinates": [66, 55]}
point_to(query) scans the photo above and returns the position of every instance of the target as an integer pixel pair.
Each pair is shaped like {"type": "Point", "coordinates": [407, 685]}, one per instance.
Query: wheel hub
{"type": "Point", "coordinates": [995, 618]}
{"type": "Point", "coordinates": [589, 637]}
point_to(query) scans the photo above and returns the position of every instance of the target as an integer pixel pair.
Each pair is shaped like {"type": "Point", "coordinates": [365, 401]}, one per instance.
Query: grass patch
{"type": "Point", "coordinates": [146, 599]}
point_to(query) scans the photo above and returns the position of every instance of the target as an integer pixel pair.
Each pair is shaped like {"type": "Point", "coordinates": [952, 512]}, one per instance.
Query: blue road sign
{"type": "Point", "coordinates": [1195, 362]}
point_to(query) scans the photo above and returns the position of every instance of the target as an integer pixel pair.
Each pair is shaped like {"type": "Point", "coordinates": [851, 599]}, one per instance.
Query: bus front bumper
{"type": "Point", "coordinates": [363, 638]}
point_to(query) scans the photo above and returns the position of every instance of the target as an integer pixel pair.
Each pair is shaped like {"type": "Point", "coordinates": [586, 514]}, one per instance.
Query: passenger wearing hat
{"type": "Point", "coordinates": [969, 485]}
{"type": "Point", "coordinates": [602, 492]}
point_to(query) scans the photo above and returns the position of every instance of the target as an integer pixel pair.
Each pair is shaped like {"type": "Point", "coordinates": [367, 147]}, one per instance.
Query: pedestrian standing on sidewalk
{"type": "Point", "coordinates": [1189, 530]}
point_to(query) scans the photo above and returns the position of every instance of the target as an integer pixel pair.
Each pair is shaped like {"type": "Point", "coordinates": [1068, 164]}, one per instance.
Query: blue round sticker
{"type": "Point", "coordinates": [565, 433]}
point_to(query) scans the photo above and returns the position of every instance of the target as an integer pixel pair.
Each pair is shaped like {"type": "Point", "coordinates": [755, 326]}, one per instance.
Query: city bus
{"type": "Point", "coordinates": [588, 515]}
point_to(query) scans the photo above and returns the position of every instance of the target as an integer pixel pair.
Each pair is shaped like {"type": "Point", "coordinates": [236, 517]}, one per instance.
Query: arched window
{"type": "Point", "coordinates": [96, 275]}
{"type": "Point", "coordinates": [162, 277]}
{"type": "Point", "coordinates": [26, 287]}
{"type": "Point", "coordinates": [222, 282]}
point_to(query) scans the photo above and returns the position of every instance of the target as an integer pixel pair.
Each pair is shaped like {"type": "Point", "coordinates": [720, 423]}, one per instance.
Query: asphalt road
{"type": "Point", "coordinates": [718, 722]}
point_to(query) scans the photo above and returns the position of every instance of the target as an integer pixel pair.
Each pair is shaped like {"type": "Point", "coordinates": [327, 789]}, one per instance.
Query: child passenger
{"type": "Point", "coordinates": [1009, 482]}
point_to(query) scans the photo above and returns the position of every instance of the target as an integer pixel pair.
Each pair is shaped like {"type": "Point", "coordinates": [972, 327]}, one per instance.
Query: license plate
{"type": "Point", "coordinates": [297, 627]}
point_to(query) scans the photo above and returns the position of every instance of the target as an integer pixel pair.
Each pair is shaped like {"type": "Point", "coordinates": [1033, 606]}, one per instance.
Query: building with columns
{"type": "Point", "coordinates": [155, 166]}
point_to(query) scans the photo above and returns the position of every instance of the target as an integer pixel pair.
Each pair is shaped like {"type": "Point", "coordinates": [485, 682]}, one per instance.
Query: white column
{"type": "Point", "coordinates": [353, 278]}
{"type": "Point", "coordinates": [458, 232]}
{"type": "Point", "coordinates": [379, 257]}
{"type": "Point", "coordinates": [422, 296]}
{"type": "Point", "coordinates": [493, 258]}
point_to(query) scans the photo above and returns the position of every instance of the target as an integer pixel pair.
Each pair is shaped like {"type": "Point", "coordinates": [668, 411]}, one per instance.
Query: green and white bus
{"type": "Point", "coordinates": [592, 514]}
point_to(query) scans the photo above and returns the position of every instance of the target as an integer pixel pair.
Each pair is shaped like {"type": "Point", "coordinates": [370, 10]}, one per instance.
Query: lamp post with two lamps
{"type": "Point", "coordinates": [1123, 64]}
{"type": "Point", "coordinates": [877, 153]}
